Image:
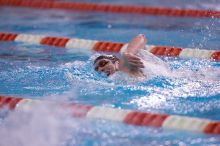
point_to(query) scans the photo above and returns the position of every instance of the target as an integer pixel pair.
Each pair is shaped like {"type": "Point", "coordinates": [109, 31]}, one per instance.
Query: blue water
{"type": "Point", "coordinates": [50, 73]}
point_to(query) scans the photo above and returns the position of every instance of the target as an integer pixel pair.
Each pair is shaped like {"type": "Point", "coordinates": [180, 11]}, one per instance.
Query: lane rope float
{"type": "Point", "coordinates": [105, 46]}
{"type": "Point", "coordinates": [131, 117]}
{"type": "Point", "coordinates": [111, 8]}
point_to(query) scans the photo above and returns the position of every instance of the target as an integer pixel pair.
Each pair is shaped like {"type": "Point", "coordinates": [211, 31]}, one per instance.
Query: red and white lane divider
{"type": "Point", "coordinates": [130, 9]}
{"type": "Point", "coordinates": [131, 117]}
{"type": "Point", "coordinates": [104, 46]}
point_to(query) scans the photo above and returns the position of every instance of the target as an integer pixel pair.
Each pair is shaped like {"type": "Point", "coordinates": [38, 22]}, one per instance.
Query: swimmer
{"type": "Point", "coordinates": [135, 60]}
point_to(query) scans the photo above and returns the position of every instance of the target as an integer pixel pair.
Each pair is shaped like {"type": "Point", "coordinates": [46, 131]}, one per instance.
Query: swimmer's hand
{"type": "Point", "coordinates": [132, 61]}
{"type": "Point", "coordinates": [132, 64]}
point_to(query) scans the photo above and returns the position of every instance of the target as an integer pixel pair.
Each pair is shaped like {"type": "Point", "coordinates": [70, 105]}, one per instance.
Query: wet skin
{"type": "Point", "coordinates": [129, 61]}
{"type": "Point", "coordinates": [106, 66]}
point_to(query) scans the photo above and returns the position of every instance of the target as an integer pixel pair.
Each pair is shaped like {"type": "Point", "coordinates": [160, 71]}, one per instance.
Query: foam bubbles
{"type": "Point", "coordinates": [42, 125]}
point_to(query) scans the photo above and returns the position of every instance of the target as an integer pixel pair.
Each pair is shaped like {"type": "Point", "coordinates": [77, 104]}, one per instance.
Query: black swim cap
{"type": "Point", "coordinates": [113, 58]}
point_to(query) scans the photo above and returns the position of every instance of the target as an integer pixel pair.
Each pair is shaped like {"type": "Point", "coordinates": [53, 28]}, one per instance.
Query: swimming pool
{"type": "Point", "coordinates": [45, 72]}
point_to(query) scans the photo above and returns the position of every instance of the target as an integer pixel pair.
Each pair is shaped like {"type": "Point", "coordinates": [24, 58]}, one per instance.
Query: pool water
{"type": "Point", "coordinates": [50, 73]}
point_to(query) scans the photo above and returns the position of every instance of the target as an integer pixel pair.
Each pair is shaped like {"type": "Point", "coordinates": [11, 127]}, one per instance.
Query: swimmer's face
{"type": "Point", "coordinates": [106, 66]}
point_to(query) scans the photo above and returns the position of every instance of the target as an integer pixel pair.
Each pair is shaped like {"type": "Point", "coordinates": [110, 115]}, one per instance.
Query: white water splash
{"type": "Point", "coordinates": [42, 125]}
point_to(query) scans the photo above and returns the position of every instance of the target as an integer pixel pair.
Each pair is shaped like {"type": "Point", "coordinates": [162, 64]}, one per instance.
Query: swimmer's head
{"type": "Point", "coordinates": [107, 64]}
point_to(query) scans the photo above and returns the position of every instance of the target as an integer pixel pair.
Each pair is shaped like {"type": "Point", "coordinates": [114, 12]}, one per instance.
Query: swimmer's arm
{"type": "Point", "coordinates": [131, 50]}
{"type": "Point", "coordinates": [136, 44]}
{"type": "Point", "coordinates": [131, 64]}
{"type": "Point", "coordinates": [132, 61]}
